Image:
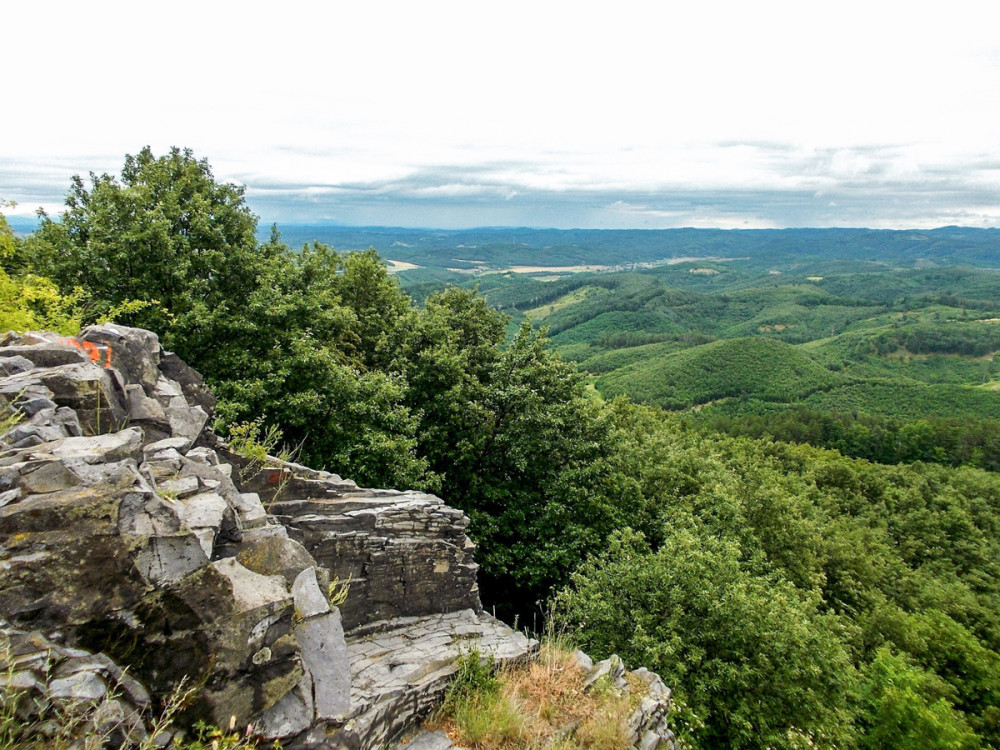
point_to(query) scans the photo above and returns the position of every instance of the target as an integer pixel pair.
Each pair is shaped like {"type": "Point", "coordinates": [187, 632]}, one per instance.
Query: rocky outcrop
{"type": "Point", "coordinates": [137, 551]}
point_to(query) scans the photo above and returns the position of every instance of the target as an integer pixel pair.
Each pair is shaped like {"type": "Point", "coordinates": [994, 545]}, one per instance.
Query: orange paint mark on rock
{"type": "Point", "coordinates": [275, 476]}
{"type": "Point", "coordinates": [95, 352]}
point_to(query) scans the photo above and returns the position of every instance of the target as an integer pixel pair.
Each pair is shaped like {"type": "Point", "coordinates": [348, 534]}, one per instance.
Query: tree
{"type": "Point", "coordinates": [165, 231]}
{"type": "Point", "coordinates": [904, 707]}
{"type": "Point", "coordinates": [28, 301]}
{"type": "Point", "coordinates": [749, 656]}
{"type": "Point", "coordinates": [518, 446]}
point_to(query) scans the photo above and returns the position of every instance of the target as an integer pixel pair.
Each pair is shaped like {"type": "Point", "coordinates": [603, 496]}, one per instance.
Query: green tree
{"type": "Point", "coordinates": [28, 301]}
{"type": "Point", "coordinates": [750, 656]}
{"type": "Point", "coordinates": [163, 231]}
{"type": "Point", "coordinates": [905, 707]}
{"type": "Point", "coordinates": [517, 444]}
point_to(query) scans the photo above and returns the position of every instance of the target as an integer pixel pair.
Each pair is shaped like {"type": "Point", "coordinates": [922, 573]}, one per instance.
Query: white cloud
{"type": "Point", "coordinates": [558, 97]}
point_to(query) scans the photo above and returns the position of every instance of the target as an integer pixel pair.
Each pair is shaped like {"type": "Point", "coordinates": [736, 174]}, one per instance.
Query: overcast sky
{"type": "Point", "coordinates": [553, 114]}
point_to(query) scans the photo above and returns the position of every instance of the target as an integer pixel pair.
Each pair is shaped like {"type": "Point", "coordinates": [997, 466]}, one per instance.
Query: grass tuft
{"type": "Point", "coordinates": [541, 704]}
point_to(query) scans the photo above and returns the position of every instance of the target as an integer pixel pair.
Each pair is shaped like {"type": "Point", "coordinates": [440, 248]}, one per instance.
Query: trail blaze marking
{"type": "Point", "coordinates": [93, 351]}
{"type": "Point", "coordinates": [99, 354]}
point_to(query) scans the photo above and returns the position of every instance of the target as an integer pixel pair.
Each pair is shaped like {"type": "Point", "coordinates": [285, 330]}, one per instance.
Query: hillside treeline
{"type": "Point", "coordinates": [791, 596]}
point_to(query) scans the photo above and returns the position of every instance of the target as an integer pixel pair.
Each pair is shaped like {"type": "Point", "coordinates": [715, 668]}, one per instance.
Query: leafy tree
{"type": "Point", "coordinates": [164, 231]}
{"type": "Point", "coordinates": [751, 657]}
{"type": "Point", "coordinates": [517, 444]}
{"type": "Point", "coordinates": [28, 301]}
{"type": "Point", "coordinates": [289, 336]}
{"type": "Point", "coordinates": [905, 707]}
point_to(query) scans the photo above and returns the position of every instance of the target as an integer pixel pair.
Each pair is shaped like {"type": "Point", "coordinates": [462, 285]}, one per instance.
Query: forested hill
{"type": "Point", "coordinates": [504, 247]}
{"type": "Point", "coordinates": [792, 597]}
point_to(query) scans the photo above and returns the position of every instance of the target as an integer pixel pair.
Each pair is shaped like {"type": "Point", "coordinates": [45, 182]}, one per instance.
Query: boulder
{"type": "Point", "coordinates": [134, 352]}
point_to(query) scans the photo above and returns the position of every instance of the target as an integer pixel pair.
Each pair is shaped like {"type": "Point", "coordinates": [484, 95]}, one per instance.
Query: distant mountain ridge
{"type": "Point", "coordinates": [502, 247]}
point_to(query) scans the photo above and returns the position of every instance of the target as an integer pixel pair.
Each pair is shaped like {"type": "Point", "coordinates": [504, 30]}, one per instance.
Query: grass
{"type": "Point", "coordinates": [541, 704]}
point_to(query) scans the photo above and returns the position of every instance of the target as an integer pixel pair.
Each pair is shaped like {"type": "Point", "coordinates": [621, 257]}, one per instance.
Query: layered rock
{"type": "Point", "coordinates": [134, 542]}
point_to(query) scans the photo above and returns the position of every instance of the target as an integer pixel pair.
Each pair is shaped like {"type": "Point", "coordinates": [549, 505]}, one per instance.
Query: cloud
{"type": "Point", "coordinates": [736, 183]}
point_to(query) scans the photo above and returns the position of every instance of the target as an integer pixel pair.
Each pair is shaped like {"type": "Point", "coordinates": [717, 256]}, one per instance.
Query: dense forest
{"type": "Point", "coordinates": [841, 592]}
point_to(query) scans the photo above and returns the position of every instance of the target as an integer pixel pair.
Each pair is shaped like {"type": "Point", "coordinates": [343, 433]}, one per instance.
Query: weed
{"type": "Point", "coordinates": [28, 723]}
{"type": "Point", "coordinates": [247, 439]}
{"type": "Point", "coordinates": [337, 591]}
{"type": "Point", "coordinates": [255, 444]}
{"type": "Point", "coordinates": [492, 721]}
{"type": "Point", "coordinates": [476, 677]}
{"type": "Point", "coordinates": [541, 704]}
{"type": "Point", "coordinates": [11, 418]}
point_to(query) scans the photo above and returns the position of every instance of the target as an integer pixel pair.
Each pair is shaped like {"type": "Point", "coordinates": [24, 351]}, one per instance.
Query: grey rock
{"type": "Point", "coordinates": [309, 598]}
{"type": "Point", "coordinates": [107, 448]}
{"type": "Point", "coordinates": [406, 554]}
{"type": "Point", "coordinates": [50, 476]}
{"type": "Point", "coordinates": [12, 364]}
{"type": "Point", "coordinates": [583, 660]}
{"type": "Point", "coordinates": [186, 422]}
{"type": "Point", "coordinates": [67, 418]}
{"type": "Point", "coordinates": [191, 383]}
{"type": "Point", "coordinates": [325, 656]}
{"type": "Point", "coordinates": [23, 682]}
{"type": "Point", "coordinates": [206, 538]}
{"type": "Point", "coordinates": [650, 741]}
{"type": "Point", "coordinates": [28, 441]}
{"type": "Point", "coordinates": [250, 509]}
{"type": "Point", "coordinates": [291, 715]}
{"type": "Point", "coordinates": [172, 443]}
{"type": "Point", "coordinates": [169, 559]}
{"type": "Point", "coordinates": [19, 432]}
{"type": "Point", "coordinates": [95, 394]}
{"type": "Point", "coordinates": [166, 390]}
{"type": "Point", "coordinates": [270, 552]}
{"type": "Point", "coordinates": [612, 669]}
{"type": "Point", "coordinates": [204, 455]}
{"type": "Point", "coordinates": [168, 461]}
{"type": "Point", "coordinates": [82, 686]}
{"type": "Point", "coordinates": [203, 511]}
{"type": "Point", "coordinates": [144, 514]}
{"type": "Point", "coordinates": [43, 352]}
{"type": "Point", "coordinates": [134, 352]}
{"type": "Point", "coordinates": [178, 488]}
{"type": "Point", "coordinates": [656, 686]}
{"type": "Point", "coordinates": [142, 407]}
{"type": "Point", "coordinates": [401, 668]}
{"type": "Point", "coordinates": [425, 740]}
{"type": "Point", "coordinates": [252, 590]}
{"type": "Point", "coordinates": [31, 406]}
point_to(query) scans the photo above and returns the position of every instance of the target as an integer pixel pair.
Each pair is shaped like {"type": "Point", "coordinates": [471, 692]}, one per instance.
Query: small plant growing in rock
{"type": "Point", "coordinates": [337, 591]}
{"type": "Point", "coordinates": [32, 723]}
{"type": "Point", "coordinates": [252, 442]}
{"type": "Point", "coordinates": [476, 677]}
{"type": "Point", "coordinates": [10, 418]}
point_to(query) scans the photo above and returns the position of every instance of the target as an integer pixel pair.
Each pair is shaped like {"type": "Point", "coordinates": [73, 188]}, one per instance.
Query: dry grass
{"type": "Point", "coordinates": [543, 705]}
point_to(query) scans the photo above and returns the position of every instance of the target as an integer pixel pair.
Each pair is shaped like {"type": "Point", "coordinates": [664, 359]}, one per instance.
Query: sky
{"type": "Point", "coordinates": [558, 114]}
